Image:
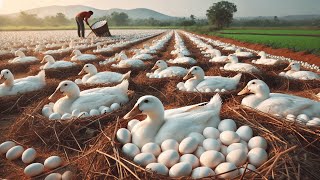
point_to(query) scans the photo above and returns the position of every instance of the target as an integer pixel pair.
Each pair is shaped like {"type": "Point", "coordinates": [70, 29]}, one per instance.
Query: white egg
{"type": "Point", "coordinates": [51, 104]}
{"type": "Point", "coordinates": [199, 151]}
{"type": "Point", "coordinates": [29, 155]}
{"type": "Point", "coordinates": [83, 115]}
{"type": "Point", "coordinates": [47, 111]}
{"type": "Point", "coordinates": [257, 156]}
{"type": "Point", "coordinates": [229, 137]}
{"type": "Point", "coordinates": [225, 167]}
{"type": "Point", "coordinates": [211, 158]}
{"type": "Point", "coordinates": [199, 137]}
{"type": "Point", "coordinates": [66, 116]}
{"type": "Point", "coordinates": [5, 146]}
{"type": "Point", "coordinates": [224, 150]}
{"type": "Point", "coordinates": [68, 175]}
{"type": "Point", "coordinates": [191, 159]}
{"type": "Point", "coordinates": [169, 158]}
{"type": "Point", "coordinates": [14, 152]}
{"type": "Point", "coordinates": [245, 133]}
{"type": "Point", "coordinates": [158, 168]}
{"type": "Point", "coordinates": [303, 118]}
{"type": "Point", "coordinates": [180, 170]}
{"type": "Point", "coordinates": [55, 116]}
{"type": "Point", "coordinates": [170, 144]}
{"type": "Point", "coordinates": [208, 90]}
{"type": "Point", "coordinates": [313, 122]}
{"type": "Point", "coordinates": [211, 132]}
{"type": "Point", "coordinates": [130, 150]}
{"type": "Point", "coordinates": [180, 84]}
{"type": "Point", "coordinates": [202, 172]}
{"type": "Point", "coordinates": [217, 90]}
{"type": "Point", "coordinates": [227, 125]}
{"type": "Point", "coordinates": [132, 123]}
{"type": "Point", "coordinates": [238, 157]}
{"type": "Point", "coordinates": [94, 112]}
{"type": "Point", "coordinates": [106, 110]}
{"type": "Point", "coordinates": [33, 169]}
{"type": "Point", "coordinates": [188, 145]}
{"type": "Point", "coordinates": [152, 148]}
{"type": "Point", "coordinates": [223, 90]}
{"type": "Point", "coordinates": [101, 107]}
{"type": "Point", "coordinates": [144, 159]}
{"type": "Point", "coordinates": [54, 176]}
{"type": "Point", "coordinates": [291, 117]}
{"type": "Point", "coordinates": [52, 162]}
{"type": "Point", "coordinates": [75, 113]}
{"type": "Point", "coordinates": [249, 167]}
{"type": "Point", "coordinates": [148, 74]}
{"type": "Point", "coordinates": [235, 146]}
{"type": "Point", "coordinates": [211, 144]}
{"type": "Point", "coordinates": [115, 106]}
{"type": "Point", "coordinates": [257, 141]}
{"type": "Point", "coordinates": [124, 136]}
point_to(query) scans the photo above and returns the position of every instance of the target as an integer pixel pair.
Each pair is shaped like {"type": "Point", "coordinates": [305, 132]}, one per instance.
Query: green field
{"type": "Point", "coordinates": [295, 43]}
{"type": "Point", "coordinates": [273, 31]}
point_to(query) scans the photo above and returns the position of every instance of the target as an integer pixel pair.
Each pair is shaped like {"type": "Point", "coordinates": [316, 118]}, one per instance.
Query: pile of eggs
{"type": "Point", "coordinates": [182, 87]}
{"type": "Point", "coordinates": [302, 119]}
{"type": "Point", "coordinates": [214, 151]}
{"type": "Point", "coordinates": [98, 24]}
{"type": "Point", "coordinates": [47, 111]}
{"type": "Point", "coordinates": [28, 156]}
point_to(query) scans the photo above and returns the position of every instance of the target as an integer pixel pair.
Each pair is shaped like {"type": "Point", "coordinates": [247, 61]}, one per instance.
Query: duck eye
{"type": "Point", "coordinates": [65, 84]}
{"type": "Point", "coordinates": [195, 68]}
{"type": "Point", "coordinates": [146, 101]}
{"type": "Point", "coordinates": [253, 82]}
{"type": "Point", "coordinates": [7, 72]}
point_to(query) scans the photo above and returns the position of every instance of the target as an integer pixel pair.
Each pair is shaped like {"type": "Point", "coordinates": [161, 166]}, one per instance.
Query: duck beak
{"type": "Point", "coordinates": [154, 67]}
{"type": "Point", "coordinates": [244, 91]}
{"type": "Point", "coordinates": [133, 113]}
{"type": "Point", "coordinates": [54, 94]}
{"type": "Point", "coordinates": [81, 72]}
{"type": "Point", "coordinates": [287, 68]}
{"type": "Point", "coordinates": [188, 76]}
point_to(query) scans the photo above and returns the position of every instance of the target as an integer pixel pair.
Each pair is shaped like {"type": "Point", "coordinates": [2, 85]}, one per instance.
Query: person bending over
{"type": "Point", "coordinates": [82, 16]}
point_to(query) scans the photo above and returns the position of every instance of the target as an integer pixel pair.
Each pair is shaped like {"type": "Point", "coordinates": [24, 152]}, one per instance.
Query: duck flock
{"type": "Point", "coordinates": [183, 141]}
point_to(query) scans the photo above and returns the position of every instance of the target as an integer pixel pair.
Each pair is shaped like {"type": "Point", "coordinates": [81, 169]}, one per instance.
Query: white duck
{"type": "Point", "coordinates": [22, 58]}
{"type": "Point", "coordinates": [197, 81]}
{"type": "Point", "coordinates": [95, 77]}
{"type": "Point", "coordinates": [234, 65]}
{"type": "Point", "coordinates": [264, 61]}
{"type": "Point", "coordinates": [144, 56]}
{"type": "Point", "coordinates": [239, 53]}
{"type": "Point", "coordinates": [129, 63]}
{"type": "Point", "coordinates": [277, 103]}
{"type": "Point", "coordinates": [89, 99]}
{"type": "Point", "coordinates": [162, 70]}
{"type": "Point", "coordinates": [181, 59]}
{"type": "Point", "coordinates": [218, 58]}
{"type": "Point", "coordinates": [295, 73]}
{"type": "Point", "coordinates": [78, 56]}
{"type": "Point", "coordinates": [19, 86]}
{"type": "Point", "coordinates": [52, 64]}
{"type": "Point", "coordinates": [161, 124]}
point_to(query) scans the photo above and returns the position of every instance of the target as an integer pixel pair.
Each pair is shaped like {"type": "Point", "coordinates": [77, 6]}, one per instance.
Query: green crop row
{"type": "Point", "coordinates": [273, 31]}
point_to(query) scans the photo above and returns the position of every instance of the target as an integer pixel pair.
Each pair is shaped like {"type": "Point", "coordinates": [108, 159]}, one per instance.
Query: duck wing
{"type": "Point", "coordinates": [105, 77]}
{"type": "Point", "coordinates": [217, 82]}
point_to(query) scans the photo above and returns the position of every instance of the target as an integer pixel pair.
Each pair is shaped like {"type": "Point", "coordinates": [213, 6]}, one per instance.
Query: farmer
{"type": "Point", "coordinates": [83, 16]}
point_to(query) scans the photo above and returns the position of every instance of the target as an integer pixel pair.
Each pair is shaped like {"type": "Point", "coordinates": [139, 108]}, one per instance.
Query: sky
{"type": "Point", "coordinates": [246, 8]}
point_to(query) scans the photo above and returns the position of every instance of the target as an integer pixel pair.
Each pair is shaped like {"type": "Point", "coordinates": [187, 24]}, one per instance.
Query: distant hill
{"type": "Point", "coordinates": [287, 18]}
{"type": "Point", "coordinates": [71, 11]}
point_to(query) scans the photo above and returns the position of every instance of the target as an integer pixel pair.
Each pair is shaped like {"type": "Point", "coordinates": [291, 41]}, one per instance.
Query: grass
{"type": "Point", "coordinates": [295, 43]}
{"type": "Point", "coordinates": [273, 31]}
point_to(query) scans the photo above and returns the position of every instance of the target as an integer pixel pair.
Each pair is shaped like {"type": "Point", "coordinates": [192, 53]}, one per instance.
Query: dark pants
{"type": "Point", "coordinates": [80, 25]}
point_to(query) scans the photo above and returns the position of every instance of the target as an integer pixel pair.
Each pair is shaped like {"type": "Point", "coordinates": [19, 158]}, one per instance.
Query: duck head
{"type": "Point", "coordinates": [257, 87]}
{"type": "Point", "coordinates": [19, 53]}
{"type": "Point", "coordinates": [196, 72]}
{"type": "Point", "coordinates": [8, 77]}
{"type": "Point", "coordinates": [147, 105]}
{"type": "Point", "coordinates": [48, 58]}
{"type": "Point", "coordinates": [89, 69]}
{"type": "Point", "coordinates": [294, 66]}
{"type": "Point", "coordinates": [76, 52]}
{"type": "Point", "coordinates": [160, 64]}
{"type": "Point", "coordinates": [217, 53]}
{"type": "Point", "coordinates": [262, 54]}
{"type": "Point", "coordinates": [233, 58]}
{"type": "Point", "coordinates": [67, 88]}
